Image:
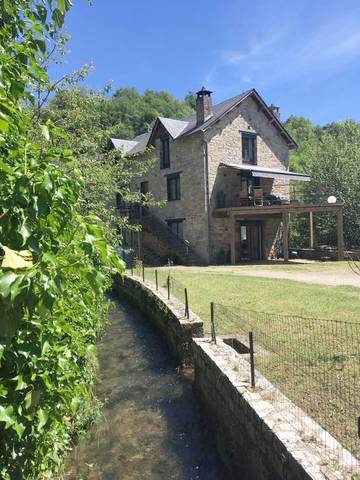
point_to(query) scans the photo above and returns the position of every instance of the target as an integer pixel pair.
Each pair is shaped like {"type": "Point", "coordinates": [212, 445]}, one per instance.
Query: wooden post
{"type": "Point", "coordinates": [285, 222]}
{"type": "Point", "coordinates": [340, 233]}
{"type": "Point", "coordinates": [232, 239]}
{"type": "Point", "coordinates": [312, 233]}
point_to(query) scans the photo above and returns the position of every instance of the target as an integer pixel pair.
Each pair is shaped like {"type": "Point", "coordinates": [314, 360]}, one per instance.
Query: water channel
{"type": "Point", "coordinates": [151, 425]}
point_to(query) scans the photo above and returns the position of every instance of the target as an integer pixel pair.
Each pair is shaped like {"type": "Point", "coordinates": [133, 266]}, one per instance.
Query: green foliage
{"type": "Point", "coordinates": [331, 155]}
{"type": "Point", "coordinates": [52, 301]}
{"type": "Point", "coordinates": [82, 115]}
{"type": "Point", "coordinates": [130, 113]}
{"type": "Point", "coordinates": [91, 117]}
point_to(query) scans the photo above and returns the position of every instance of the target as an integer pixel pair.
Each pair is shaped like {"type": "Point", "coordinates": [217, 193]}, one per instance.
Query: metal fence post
{"type": "Point", "coordinates": [156, 280]}
{"type": "Point", "coordinates": [252, 363]}
{"type": "Point", "coordinates": [143, 273]}
{"type": "Point", "coordinates": [213, 331]}
{"type": "Point", "coordinates": [168, 286]}
{"type": "Point", "coordinates": [186, 304]}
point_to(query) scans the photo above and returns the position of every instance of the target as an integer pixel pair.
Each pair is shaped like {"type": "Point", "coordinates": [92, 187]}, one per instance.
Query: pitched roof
{"type": "Point", "coordinates": [174, 127]}
{"type": "Point", "coordinates": [219, 110]}
{"type": "Point", "coordinates": [188, 125]}
{"type": "Point", "coordinates": [136, 145]}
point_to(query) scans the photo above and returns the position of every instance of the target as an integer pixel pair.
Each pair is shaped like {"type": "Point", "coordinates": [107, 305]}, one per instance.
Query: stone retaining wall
{"type": "Point", "coordinates": [260, 434]}
{"type": "Point", "coordinates": [167, 315]}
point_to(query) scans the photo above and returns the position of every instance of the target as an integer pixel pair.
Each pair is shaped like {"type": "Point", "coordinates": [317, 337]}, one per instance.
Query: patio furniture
{"type": "Point", "coordinates": [258, 197]}
{"type": "Point", "coordinates": [244, 198]}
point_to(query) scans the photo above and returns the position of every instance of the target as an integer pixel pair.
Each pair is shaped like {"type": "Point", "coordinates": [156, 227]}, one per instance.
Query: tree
{"type": "Point", "coordinates": [331, 155]}
{"type": "Point", "coordinates": [130, 113]}
{"type": "Point", "coordinates": [82, 116]}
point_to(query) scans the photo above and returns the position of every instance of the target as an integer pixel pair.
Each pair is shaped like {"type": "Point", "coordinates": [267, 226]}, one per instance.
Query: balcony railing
{"type": "Point", "coordinates": [309, 195]}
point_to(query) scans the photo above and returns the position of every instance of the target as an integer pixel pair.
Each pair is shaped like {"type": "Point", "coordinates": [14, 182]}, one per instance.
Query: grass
{"type": "Point", "coordinates": [314, 362]}
{"type": "Point", "coordinates": [280, 296]}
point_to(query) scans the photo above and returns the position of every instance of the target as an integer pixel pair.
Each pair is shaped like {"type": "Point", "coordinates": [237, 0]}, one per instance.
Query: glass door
{"type": "Point", "coordinates": [250, 241]}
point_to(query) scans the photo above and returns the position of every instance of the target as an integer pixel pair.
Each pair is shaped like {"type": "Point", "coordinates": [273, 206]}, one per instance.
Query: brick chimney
{"type": "Point", "coordinates": [203, 106]}
{"type": "Point", "coordinates": [275, 110]}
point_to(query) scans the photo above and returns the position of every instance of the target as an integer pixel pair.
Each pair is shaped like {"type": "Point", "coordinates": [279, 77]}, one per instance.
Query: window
{"type": "Point", "coordinates": [173, 187]}
{"type": "Point", "coordinates": [165, 152]}
{"type": "Point", "coordinates": [176, 226]}
{"type": "Point", "coordinates": [119, 200]}
{"type": "Point", "coordinates": [144, 187]}
{"type": "Point", "coordinates": [249, 148]}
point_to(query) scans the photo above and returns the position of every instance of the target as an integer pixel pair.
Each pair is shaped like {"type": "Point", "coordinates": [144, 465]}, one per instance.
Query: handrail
{"type": "Point", "coordinates": [154, 221]}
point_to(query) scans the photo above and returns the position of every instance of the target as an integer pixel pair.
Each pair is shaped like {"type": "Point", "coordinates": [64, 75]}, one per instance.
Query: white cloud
{"type": "Point", "coordinates": [290, 51]}
{"type": "Point", "coordinates": [246, 79]}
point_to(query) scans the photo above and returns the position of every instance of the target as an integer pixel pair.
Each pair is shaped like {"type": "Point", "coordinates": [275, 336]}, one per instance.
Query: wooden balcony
{"type": "Point", "coordinates": [281, 212]}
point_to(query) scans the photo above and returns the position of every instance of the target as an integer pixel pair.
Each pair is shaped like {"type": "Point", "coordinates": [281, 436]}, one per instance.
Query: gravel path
{"type": "Point", "coordinates": [325, 278]}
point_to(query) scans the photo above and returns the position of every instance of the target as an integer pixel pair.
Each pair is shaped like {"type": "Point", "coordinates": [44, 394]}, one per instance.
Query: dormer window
{"type": "Point", "coordinates": [165, 152]}
{"type": "Point", "coordinates": [249, 154]}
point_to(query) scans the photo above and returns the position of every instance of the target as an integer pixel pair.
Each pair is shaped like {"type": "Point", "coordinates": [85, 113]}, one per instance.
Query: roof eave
{"type": "Point", "coordinates": [153, 131]}
{"type": "Point", "coordinates": [290, 141]}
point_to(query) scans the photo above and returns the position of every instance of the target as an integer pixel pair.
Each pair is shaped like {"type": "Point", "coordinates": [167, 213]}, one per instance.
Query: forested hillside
{"type": "Point", "coordinates": [91, 117]}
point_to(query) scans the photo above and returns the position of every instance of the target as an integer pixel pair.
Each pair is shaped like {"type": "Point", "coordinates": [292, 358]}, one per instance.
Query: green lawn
{"type": "Point", "coordinates": [270, 295]}
{"type": "Point", "coordinates": [314, 362]}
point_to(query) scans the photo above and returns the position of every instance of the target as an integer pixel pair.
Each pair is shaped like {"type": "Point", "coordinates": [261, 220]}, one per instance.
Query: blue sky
{"type": "Point", "coordinates": [301, 55]}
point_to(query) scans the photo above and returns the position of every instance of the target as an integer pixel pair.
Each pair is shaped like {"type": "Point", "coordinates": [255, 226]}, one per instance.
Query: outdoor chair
{"type": "Point", "coordinates": [244, 198]}
{"type": "Point", "coordinates": [258, 197]}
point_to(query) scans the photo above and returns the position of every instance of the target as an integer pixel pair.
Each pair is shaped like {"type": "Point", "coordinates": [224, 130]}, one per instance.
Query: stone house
{"type": "Point", "coordinates": [223, 174]}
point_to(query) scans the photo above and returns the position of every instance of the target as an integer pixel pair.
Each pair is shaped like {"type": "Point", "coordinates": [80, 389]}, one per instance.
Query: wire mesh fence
{"type": "Point", "coordinates": [162, 278]}
{"type": "Point", "coordinates": [314, 362]}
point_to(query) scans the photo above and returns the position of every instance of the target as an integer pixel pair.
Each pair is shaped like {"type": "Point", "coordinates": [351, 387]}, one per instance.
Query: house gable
{"type": "Point", "coordinates": [189, 125]}
{"type": "Point", "coordinates": [273, 120]}
{"type": "Point", "coordinates": [224, 137]}
{"type": "Point", "coordinates": [169, 126]}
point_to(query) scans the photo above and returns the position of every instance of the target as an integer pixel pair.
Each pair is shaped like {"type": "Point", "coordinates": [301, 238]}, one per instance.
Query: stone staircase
{"type": "Point", "coordinates": [159, 242]}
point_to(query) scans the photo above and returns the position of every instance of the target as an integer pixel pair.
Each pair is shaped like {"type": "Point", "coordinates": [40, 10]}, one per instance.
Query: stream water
{"type": "Point", "coordinates": [151, 425]}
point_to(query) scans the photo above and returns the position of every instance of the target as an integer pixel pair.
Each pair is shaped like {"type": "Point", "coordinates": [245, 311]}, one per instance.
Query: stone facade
{"type": "Point", "coordinates": [186, 158]}
{"type": "Point", "coordinates": [197, 159]}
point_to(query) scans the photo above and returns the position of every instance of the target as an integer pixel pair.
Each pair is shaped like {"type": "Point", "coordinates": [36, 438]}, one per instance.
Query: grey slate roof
{"type": "Point", "coordinates": [174, 127]}
{"type": "Point", "coordinates": [188, 126]}
{"type": "Point", "coordinates": [127, 145]}
{"type": "Point", "coordinates": [219, 111]}
{"type": "Point", "coordinates": [136, 145]}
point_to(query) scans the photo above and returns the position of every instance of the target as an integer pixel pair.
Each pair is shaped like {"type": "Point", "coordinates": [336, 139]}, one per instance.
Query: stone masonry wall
{"type": "Point", "coordinates": [224, 145]}
{"type": "Point", "coordinates": [186, 157]}
{"type": "Point", "coordinates": [224, 139]}
{"type": "Point", "coordinates": [167, 315]}
{"type": "Point", "coordinates": [252, 436]}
